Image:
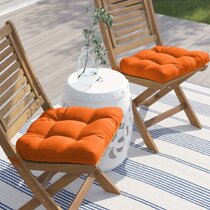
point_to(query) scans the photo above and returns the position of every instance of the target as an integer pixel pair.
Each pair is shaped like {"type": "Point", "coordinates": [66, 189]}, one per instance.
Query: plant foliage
{"type": "Point", "coordinates": [92, 38]}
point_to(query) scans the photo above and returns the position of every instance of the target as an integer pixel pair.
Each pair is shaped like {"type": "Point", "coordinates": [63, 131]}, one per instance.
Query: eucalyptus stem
{"type": "Point", "coordinates": [93, 39]}
{"type": "Point", "coordinates": [88, 46]}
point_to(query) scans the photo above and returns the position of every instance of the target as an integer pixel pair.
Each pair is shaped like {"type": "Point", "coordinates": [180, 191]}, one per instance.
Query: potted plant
{"type": "Point", "coordinates": [93, 52]}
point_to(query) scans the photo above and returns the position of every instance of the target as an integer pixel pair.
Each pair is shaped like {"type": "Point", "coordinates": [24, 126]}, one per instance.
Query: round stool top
{"type": "Point", "coordinates": [109, 81]}
{"type": "Point", "coordinates": [110, 84]}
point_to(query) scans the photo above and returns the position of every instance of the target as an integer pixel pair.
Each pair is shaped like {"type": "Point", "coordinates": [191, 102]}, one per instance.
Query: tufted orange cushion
{"type": "Point", "coordinates": [75, 135]}
{"type": "Point", "coordinates": [163, 63]}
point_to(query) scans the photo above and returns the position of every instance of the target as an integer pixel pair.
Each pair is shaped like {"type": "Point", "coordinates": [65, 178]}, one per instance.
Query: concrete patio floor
{"type": "Point", "coordinates": [51, 34]}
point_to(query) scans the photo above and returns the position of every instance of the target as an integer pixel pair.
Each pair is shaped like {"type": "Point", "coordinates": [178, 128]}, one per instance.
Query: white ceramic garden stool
{"type": "Point", "coordinates": [111, 89]}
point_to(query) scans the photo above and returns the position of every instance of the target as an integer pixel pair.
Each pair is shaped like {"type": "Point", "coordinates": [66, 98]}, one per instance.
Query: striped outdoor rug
{"type": "Point", "coordinates": [176, 178]}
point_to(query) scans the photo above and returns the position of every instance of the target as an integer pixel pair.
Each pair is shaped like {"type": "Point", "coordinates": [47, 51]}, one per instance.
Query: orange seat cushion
{"type": "Point", "coordinates": [74, 135]}
{"type": "Point", "coordinates": [163, 63]}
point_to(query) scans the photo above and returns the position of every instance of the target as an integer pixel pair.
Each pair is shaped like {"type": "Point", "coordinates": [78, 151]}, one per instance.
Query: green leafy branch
{"type": "Point", "coordinates": [92, 38]}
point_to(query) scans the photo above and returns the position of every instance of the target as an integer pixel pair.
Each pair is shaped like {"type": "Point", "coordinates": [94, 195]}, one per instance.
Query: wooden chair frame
{"type": "Point", "coordinates": [14, 59]}
{"type": "Point", "coordinates": [130, 16]}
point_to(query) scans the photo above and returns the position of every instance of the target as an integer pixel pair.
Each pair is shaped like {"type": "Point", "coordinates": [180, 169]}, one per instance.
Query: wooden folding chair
{"type": "Point", "coordinates": [40, 148]}
{"type": "Point", "coordinates": [161, 69]}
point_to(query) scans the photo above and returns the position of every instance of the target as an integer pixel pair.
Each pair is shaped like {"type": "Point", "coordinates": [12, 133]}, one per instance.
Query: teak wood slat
{"type": "Point", "coordinates": [31, 110]}
{"type": "Point", "coordinates": [125, 10]}
{"type": "Point", "coordinates": [136, 43]}
{"type": "Point", "coordinates": [6, 53]}
{"type": "Point", "coordinates": [5, 31]}
{"type": "Point", "coordinates": [114, 1]}
{"type": "Point", "coordinates": [125, 17]}
{"type": "Point", "coordinates": [129, 30]}
{"type": "Point", "coordinates": [12, 84]}
{"type": "Point", "coordinates": [11, 91]}
{"type": "Point", "coordinates": [14, 67]}
{"type": "Point", "coordinates": [122, 4]}
{"type": "Point", "coordinates": [125, 36]}
{"type": "Point", "coordinates": [16, 113]}
{"type": "Point", "coordinates": [4, 44]}
{"type": "Point", "coordinates": [20, 97]}
{"type": "Point", "coordinates": [137, 20]}
{"type": "Point", "coordinates": [5, 64]}
{"type": "Point", "coordinates": [131, 37]}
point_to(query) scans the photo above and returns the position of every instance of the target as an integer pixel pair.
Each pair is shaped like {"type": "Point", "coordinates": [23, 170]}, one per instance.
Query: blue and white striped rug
{"type": "Point", "coordinates": [176, 178]}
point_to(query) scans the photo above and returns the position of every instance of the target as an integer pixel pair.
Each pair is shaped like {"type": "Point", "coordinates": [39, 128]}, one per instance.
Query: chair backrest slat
{"type": "Point", "coordinates": [9, 71]}
{"type": "Point", "coordinates": [126, 9]}
{"type": "Point", "coordinates": [18, 97]}
{"type": "Point", "coordinates": [9, 93]}
{"type": "Point", "coordinates": [6, 53]}
{"type": "Point", "coordinates": [128, 17]}
{"type": "Point", "coordinates": [132, 37]}
{"type": "Point", "coordinates": [12, 84]}
{"type": "Point", "coordinates": [5, 43]}
{"type": "Point", "coordinates": [125, 12]}
{"type": "Point", "coordinates": [124, 48]}
{"type": "Point", "coordinates": [17, 111]}
{"type": "Point", "coordinates": [28, 111]}
{"type": "Point", "coordinates": [20, 92]}
{"type": "Point", "coordinates": [131, 29]}
{"type": "Point", "coordinates": [121, 4]}
{"type": "Point", "coordinates": [132, 22]}
{"type": "Point", "coordinates": [134, 25]}
{"type": "Point", "coordinates": [6, 63]}
{"type": "Point", "coordinates": [5, 31]}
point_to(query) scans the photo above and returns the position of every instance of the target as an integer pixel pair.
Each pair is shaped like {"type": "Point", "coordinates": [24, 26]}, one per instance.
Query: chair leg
{"type": "Point", "coordinates": [162, 92]}
{"type": "Point", "coordinates": [55, 187]}
{"type": "Point", "coordinates": [45, 178]}
{"type": "Point", "coordinates": [82, 192]}
{"type": "Point", "coordinates": [164, 115]}
{"type": "Point", "coordinates": [143, 130]}
{"type": "Point", "coordinates": [105, 183]}
{"type": "Point", "coordinates": [42, 177]}
{"type": "Point", "coordinates": [188, 110]}
{"type": "Point", "coordinates": [36, 187]}
{"type": "Point", "coordinates": [157, 96]}
{"type": "Point", "coordinates": [140, 99]}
